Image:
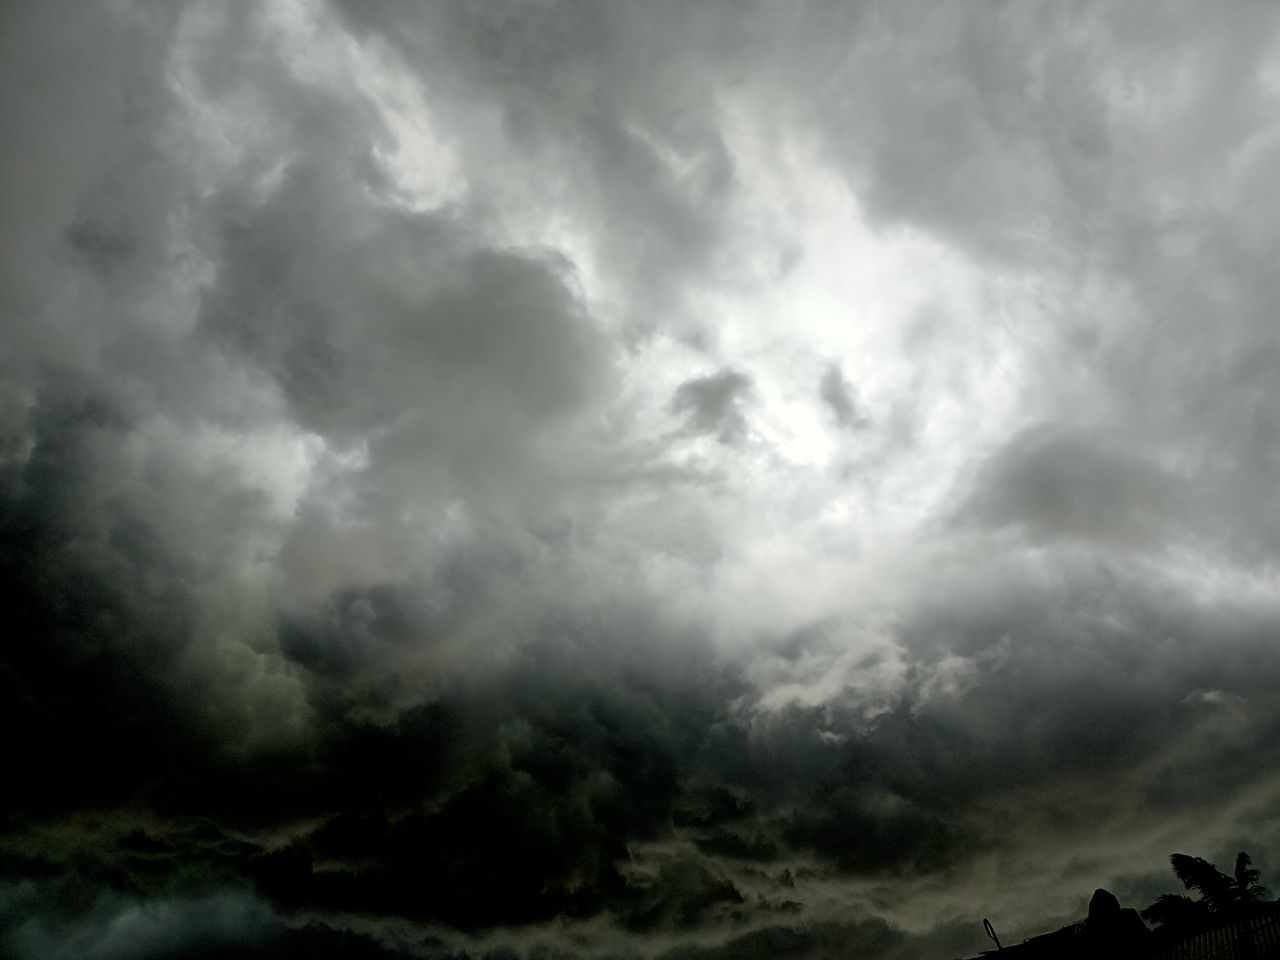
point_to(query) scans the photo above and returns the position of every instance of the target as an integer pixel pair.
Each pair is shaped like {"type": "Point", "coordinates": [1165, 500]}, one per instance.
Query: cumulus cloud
{"type": "Point", "coordinates": [603, 479]}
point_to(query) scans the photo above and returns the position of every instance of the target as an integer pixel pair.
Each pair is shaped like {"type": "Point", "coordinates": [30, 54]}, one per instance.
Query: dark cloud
{"type": "Point", "coordinates": [839, 398]}
{"type": "Point", "coordinates": [868, 938]}
{"type": "Point", "coordinates": [224, 926]}
{"type": "Point", "coordinates": [714, 404]}
{"type": "Point", "coordinates": [395, 323]}
{"type": "Point", "coordinates": [104, 594]}
{"type": "Point", "coordinates": [1054, 485]}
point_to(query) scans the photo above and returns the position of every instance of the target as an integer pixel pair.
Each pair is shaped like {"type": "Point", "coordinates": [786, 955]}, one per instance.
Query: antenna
{"type": "Point", "coordinates": [991, 932]}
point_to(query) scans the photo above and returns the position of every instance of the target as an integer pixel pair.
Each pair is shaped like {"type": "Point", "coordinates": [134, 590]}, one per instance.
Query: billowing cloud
{"type": "Point", "coordinates": [630, 480]}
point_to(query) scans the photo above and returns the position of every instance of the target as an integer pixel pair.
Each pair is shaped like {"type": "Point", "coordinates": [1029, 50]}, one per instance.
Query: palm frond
{"type": "Point", "coordinates": [1246, 887]}
{"type": "Point", "coordinates": [1198, 874]}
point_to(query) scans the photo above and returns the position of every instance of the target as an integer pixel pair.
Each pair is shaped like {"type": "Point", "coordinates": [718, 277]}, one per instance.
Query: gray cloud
{"type": "Point", "coordinates": [714, 404]}
{"type": "Point", "coordinates": [838, 396]}
{"type": "Point", "coordinates": [1063, 486]}
{"type": "Point", "coordinates": [366, 603]}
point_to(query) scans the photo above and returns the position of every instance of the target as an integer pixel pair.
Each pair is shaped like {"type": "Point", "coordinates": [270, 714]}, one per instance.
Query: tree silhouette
{"type": "Point", "coordinates": [1177, 912]}
{"type": "Point", "coordinates": [1214, 886]}
{"type": "Point", "coordinates": [1221, 896]}
{"type": "Point", "coordinates": [1246, 888]}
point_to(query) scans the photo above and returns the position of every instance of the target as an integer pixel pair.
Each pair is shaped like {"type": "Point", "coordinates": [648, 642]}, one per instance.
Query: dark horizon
{"type": "Point", "coordinates": [644, 480]}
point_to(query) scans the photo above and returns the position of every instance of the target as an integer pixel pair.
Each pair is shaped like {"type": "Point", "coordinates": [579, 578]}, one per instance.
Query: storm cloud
{"type": "Point", "coordinates": [664, 480]}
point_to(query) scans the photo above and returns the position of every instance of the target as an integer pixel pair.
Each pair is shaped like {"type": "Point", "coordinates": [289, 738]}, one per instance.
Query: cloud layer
{"type": "Point", "coordinates": [665, 480]}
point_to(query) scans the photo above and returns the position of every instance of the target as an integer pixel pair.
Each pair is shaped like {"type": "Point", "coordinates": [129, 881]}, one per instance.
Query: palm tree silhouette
{"type": "Point", "coordinates": [1221, 896]}
{"type": "Point", "coordinates": [1246, 888]}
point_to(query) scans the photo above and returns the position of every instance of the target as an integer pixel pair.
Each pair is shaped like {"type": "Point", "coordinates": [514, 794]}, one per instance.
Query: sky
{"type": "Point", "coordinates": [592, 479]}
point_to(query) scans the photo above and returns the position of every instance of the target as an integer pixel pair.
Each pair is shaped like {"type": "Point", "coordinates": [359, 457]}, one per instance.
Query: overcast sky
{"type": "Point", "coordinates": [652, 479]}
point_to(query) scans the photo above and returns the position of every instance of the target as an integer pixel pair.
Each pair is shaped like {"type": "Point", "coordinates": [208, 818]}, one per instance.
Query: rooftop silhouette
{"type": "Point", "coordinates": [1229, 920]}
